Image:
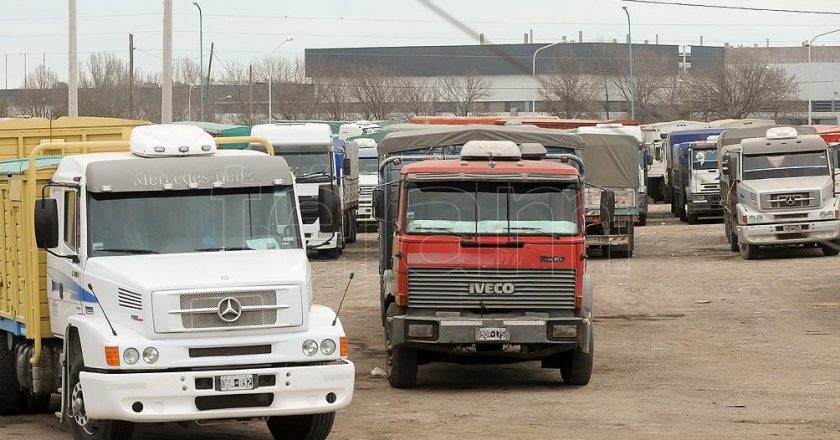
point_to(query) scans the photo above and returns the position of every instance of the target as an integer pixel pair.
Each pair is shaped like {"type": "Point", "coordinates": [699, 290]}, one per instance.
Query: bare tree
{"type": "Point", "coordinates": [332, 91]}
{"type": "Point", "coordinates": [653, 75]}
{"type": "Point", "coordinates": [744, 88]}
{"type": "Point", "coordinates": [420, 96]}
{"type": "Point", "coordinates": [464, 91]}
{"type": "Point", "coordinates": [42, 95]}
{"type": "Point", "coordinates": [377, 91]}
{"type": "Point", "coordinates": [104, 86]}
{"type": "Point", "coordinates": [568, 92]}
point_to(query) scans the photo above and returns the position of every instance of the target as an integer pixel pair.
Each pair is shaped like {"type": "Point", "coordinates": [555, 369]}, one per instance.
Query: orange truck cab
{"type": "Point", "coordinates": [483, 258]}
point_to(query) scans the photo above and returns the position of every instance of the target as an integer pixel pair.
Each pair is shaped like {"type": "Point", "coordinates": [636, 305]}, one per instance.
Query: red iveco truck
{"type": "Point", "coordinates": [482, 253]}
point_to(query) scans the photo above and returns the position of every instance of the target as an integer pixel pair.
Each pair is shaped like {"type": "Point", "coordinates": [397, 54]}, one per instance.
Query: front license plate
{"type": "Point", "coordinates": [236, 382]}
{"type": "Point", "coordinates": [492, 334]}
{"type": "Point", "coordinates": [791, 228]}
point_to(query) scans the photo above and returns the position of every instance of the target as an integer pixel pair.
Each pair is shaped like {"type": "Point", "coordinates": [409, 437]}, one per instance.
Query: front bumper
{"type": "Point", "coordinates": [772, 234]}
{"type": "Point", "coordinates": [708, 207]}
{"type": "Point", "coordinates": [607, 240]}
{"type": "Point", "coordinates": [315, 239]}
{"type": "Point", "coordinates": [464, 330]}
{"type": "Point", "coordinates": [172, 396]}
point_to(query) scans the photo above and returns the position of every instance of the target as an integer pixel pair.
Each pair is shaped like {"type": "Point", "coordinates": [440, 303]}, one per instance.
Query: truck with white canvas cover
{"type": "Point", "coordinates": [308, 148]}
{"type": "Point", "coordinates": [145, 303]}
{"type": "Point", "coordinates": [653, 137]}
{"type": "Point", "coordinates": [777, 189]}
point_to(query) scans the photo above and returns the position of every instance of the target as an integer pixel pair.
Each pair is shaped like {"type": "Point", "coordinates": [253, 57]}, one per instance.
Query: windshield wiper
{"type": "Point", "coordinates": [224, 248]}
{"type": "Point", "coordinates": [532, 228]}
{"type": "Point", "coordinates": [315, 174]}
{"type": "Point", "coordinates": [128, 251]}
{"type": "Point", "coordinates": [442, 229]}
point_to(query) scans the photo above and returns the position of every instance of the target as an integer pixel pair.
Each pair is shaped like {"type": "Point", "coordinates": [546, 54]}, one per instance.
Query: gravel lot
{"type": "Point", "coordinates": [691, 342]}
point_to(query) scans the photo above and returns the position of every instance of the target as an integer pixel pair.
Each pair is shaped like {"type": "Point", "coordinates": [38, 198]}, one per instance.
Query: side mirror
{"type": "Point", "coordinates": [657, 153]}
{"type": "Point", "coordinates": [46, 223]}
{"type": "Point", "coordinates": [648, 159]}
{"type": "Point", "coordinates": [329, 208]}
{"type": "Point", "coordinates": [379, 204]}
{"type": "Point", "coordinates": [607, 205]}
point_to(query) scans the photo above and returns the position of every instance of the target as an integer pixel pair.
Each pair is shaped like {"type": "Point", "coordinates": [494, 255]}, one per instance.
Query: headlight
{"type": "Point", "coordinates": [700, 198]}
{"type": "Point", "coordinates": [752, 219]}
{"type": "Point", "coordinates": [150, 355]}
{"type": "Point", "coordinates": [826, 214]}
{"type": "Point", "coordinates": [131, 356]}
{"type": "Point", "coordinates": [328, 346]}
{"type": "Point", "coordinates": [310, 347]}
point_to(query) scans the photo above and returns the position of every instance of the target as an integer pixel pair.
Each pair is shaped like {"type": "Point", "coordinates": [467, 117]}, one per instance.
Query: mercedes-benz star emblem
{"type": "Point", "coordinates": [229, 309]}
{"type": "Point", "coordinates": [790, 200]}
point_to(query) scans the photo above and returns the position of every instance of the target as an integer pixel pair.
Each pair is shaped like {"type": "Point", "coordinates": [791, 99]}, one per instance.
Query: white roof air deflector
{"type": "Point", "coordinates": [487, 150]}
{"type": "Point", "coordinates": [169, 140]}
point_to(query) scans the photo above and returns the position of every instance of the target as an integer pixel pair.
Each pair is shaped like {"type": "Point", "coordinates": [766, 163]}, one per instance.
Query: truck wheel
{"type": "Point", "coordinates": [673, 205]}
{"type": "Point", "coordinates": [34, 403]}
{"type": "Point", "coordinates": [830, 249]}
{"type": "Point", "coordinates": [353, 228]}
{"type": "Point", "coordinates": [330, 254]}
{"type": "Point", "coordinates": [576, 366]}
{"type": "Point", "coordinates": [400, 361]}
{"type": "Point", "coordinates": [749, 251]}
{"type": "Point", "coordinates": [692, 218]}
{"type": "Point", "coordinates": [10, 392]}
{"type": "Point", "coordinates": [642, 219]}
{"type": "Point", "coordinates": [83, 427]}
{"type": "Point", "coordinates": [303, 427]}
{"type": "Point", "coordinates": [683, 213]}
{"type": "Point", "coordinates": [733, 238]}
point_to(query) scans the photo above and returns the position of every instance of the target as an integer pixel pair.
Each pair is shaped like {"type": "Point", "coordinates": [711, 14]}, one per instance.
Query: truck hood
{"type": "Point", "coordinates": [816, 183]}
{"type": "Point", "coordinates": [201, 270]}
{"type": "Point", "coordinates": [368, 179]}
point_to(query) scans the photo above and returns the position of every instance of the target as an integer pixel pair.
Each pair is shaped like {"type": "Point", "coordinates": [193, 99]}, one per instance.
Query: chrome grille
{"type": "Point", "coordinates": [200, 310]}
{"type": "Point", "coordinates": [801, 199]}
{"type": "Point", "coordinates": [449, 288]}
{"type": "Point", "coordinates": [366, 190]}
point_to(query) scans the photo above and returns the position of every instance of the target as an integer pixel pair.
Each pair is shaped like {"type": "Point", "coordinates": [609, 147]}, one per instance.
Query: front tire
{"type": "Point", "coordinates": [749, 251]}
{"type": "Point", "coordinates": [576, 366]}
{"type": "Point", "coordinates": [400, 361]}
{"type": "Point", "coordinates": [733, 238]}
{"type": "Point", "coordinates": [330, 254]}
{"type": "Point", "coordinates": [830, 249]}
{"type": "Point", "coordinates": [10, 392]}
{"type": "Point", "coordinates": [83, 427]}
{"type": "Point", "coordinates": [303, 427]}
{"type": "Point", "coordinates": [642, 219]}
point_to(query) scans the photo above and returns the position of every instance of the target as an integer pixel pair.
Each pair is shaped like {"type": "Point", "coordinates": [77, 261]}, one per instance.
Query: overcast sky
{"type": "Point", "coordinates": [245, 29]}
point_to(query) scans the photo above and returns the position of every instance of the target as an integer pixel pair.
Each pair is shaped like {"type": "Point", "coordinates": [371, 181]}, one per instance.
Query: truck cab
{"type": "Point", "coordinates": [308, 149]}
{"type": "Point", "coordinates": [482, 259]}
{"type": "Point", "coordinates": [655, 138]}
{"type": "Point", "coordinates": [146, 306]}
{"type": "Point", "coordinates": [368, 181]}
{"type": "Point", "coordinates": [779, 191]}
{"type": "Point", "coordinates": [698, 180]}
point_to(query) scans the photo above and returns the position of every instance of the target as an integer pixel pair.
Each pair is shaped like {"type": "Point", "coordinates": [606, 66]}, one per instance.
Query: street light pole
{"type": "Point", "coordinates": [811, 83]}
{"type": "Point", "coordinates": [630, 57]}
{"type": "Point", "coordinates": [534, 71]}
{"type": "Point", "coordinates": [271, 73]}
{"type": "Point", "coordinates": [201, 59]}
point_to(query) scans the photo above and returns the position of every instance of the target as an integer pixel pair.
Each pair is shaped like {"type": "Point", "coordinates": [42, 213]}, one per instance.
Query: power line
{"type": "Point", "coordinates": [738, 8]}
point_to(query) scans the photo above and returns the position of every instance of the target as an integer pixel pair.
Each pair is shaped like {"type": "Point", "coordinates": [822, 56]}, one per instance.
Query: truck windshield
{"type": "Point", "coordinates": [785, 165]}
{"type": "Point", "coordinates": [261, 218]}
{"type": "Point", "coordinates": [368, 165]}
{"type": "Point", "coordinates": [308, 163]}
{"type": "Point", "coordinates": [704, 159]}
{"type": "Point", "coordinates": [492, 208]}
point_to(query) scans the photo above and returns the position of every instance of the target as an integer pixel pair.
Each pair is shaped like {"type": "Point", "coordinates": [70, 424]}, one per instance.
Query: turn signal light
{"type": "Point", "coordinates": [112, 356]}
{"type": "Point", "coordinates": [343, 347]}
{"type": "Point", "coordinates": [578, 302]}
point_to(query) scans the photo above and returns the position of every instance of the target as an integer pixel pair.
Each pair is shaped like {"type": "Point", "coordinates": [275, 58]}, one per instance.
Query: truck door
{"type": "Point", "coordinates": [64, 289]}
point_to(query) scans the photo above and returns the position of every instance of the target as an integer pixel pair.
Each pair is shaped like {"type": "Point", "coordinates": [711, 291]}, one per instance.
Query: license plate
{"type": "Point", "coordinates": [491, 334]}
{"type": "Point", "coordinates": [791, 228]}
{"type": "Point", "coordinates": [236, 382]}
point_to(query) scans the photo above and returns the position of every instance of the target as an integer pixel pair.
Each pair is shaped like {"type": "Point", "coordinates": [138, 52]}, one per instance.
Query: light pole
{"type": "Point", "coordinates": [201, 59]}
{"type": "Point", "coordinates": [630, 57]}
{"type": "Point", "coordinates": [271, 72]}
{"type": "Point", "coordinates": [534, 71]}
{"type": "Point", "coordinates": [811, 83]}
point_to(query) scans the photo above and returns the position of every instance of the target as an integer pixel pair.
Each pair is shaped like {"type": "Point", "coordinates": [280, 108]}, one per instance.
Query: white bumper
{"type": "Point", "coordinates": [320, 240]}
{"type": "Point", "coordinates": [173, 396]}
{"type": "Point", "coordinates": [767, 235]}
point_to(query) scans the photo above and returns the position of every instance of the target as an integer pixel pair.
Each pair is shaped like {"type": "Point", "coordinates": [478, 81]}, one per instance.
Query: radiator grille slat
{"type": "Point", "coordinates": [449, 288]}
{"type": "Point", "coordinates": [210, 300]}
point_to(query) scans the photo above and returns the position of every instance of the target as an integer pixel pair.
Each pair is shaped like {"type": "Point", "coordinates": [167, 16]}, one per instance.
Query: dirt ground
{"type": "Point", "coordinates": [691, 342]}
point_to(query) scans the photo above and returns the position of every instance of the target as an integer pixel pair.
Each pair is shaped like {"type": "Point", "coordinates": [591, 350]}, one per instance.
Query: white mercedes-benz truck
{"type": "Point", "coordinates": [162, 280]}
{"type": "Point", "coordinates": [308, 148]}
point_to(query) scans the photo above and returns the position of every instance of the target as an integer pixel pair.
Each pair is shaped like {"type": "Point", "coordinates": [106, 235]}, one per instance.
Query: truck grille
{"type": "Point", "coordinates": [366, 190]}
{"type": "Point", "coordinates": [308, 209]}
{"type": "Point", "coordinates": [476, 288]}
{"type": "Point", "coordinates": [804, 199]}
{"type": "Point", "coordinates": [201, 310]}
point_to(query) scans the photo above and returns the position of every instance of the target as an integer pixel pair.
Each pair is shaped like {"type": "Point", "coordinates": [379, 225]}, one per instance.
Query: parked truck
{"type": "Point", "coordinates": [654, 137]}
{"type": "Point", "coordinates": [673, 139]}
{"type": "Point", "coordinates": [368, 181]}
{"type": "Point", "coordinates": [696, 180]}
{"type": "Point", "coordinates": [143, 304]}
{"type": "Point", "coordinates": [777, 189]}
{"type": "Point", "coordinates": [482, 254]}
{"type": "Point", "coordinates": [316, 163]}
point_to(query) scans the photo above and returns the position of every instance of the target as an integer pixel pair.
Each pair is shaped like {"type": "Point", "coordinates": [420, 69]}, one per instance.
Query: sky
{"type": "Point", "coordinates": [246, 29]}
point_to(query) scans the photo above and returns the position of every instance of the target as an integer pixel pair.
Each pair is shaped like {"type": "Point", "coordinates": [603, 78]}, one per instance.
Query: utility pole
{"type": "Point", "coordinates": [131, 76]}
{"type": "Point", "coordinates": [251, 92]}
{"type": "Point", "coordinates": [7, 71]}
{"type": "Point", "coordinates": [166, 80]}
{"type": "Point", "coordinates": [25, 72]}
{"type": "Point", "coordinates": [44, 90]}
{"type": "Point", "coordinates": [207, 81]}
{"type": "Point", "coordinates": [630, 60]}
{"type": "Point", "coordinates": [201, 57]}
{"type": "Point", "coordinates": [73, 63]}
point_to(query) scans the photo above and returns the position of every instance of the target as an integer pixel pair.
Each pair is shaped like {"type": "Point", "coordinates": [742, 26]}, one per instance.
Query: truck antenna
{"type": "Point", "coordinates": [90, 287]}
{"type": "Point", "coordinates": [352, 274]}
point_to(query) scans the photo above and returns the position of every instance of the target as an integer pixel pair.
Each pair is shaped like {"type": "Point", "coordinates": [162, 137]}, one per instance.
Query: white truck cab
{"type": "Point", "coordinates": [178, 289]}
{"type": "Point", "coordinates": [368, 181]}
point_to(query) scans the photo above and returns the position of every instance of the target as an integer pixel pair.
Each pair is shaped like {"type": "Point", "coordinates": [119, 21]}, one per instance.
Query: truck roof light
{"type": "Point", "coordinates": [532, 151]}
{"type": "Point", "coordinates": [278, 181]}
{"type": "Point", "coordinates": [167, 140]}
{"type": "Point", "coordinates": [495, 150]}
{"type": "Point", "coordinates": [713, 139]}
{"type": "Point", "coordinates": [777, 133]}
